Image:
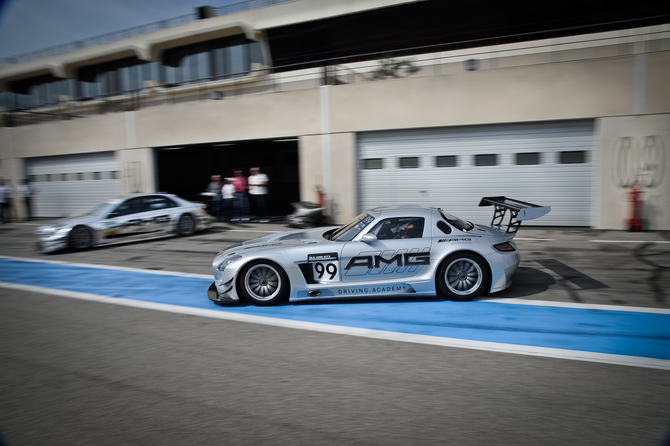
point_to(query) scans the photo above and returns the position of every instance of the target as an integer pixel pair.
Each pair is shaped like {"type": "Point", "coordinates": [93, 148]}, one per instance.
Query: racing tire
{"type": "Point", "coordinates": [80, 238]}
{"type": "Point", "coordinates": [463, 276]}
{"type": "Point", "coordinates": [263, 283]}
{"type": "Point", "coordinates": [186, 225]}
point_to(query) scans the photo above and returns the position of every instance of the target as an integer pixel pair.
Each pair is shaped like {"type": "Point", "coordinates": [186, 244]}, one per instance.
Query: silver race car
{"type": "Point", "coordinates": [123, 220]}
{"type": "Point", "coordinates": [400, 250]}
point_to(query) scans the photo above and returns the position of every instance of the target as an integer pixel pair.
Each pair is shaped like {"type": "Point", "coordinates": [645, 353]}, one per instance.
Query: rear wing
{"type": "Point", "coordinates": [518, 212]}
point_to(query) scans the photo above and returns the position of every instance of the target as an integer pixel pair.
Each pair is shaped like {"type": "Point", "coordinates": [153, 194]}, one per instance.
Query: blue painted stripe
{"type": "Point", "coordinates": [599, 331]}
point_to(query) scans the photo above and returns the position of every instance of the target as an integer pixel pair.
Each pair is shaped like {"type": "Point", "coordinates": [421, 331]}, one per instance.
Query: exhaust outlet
{"type": "Point", "coordinates": [314, 293]}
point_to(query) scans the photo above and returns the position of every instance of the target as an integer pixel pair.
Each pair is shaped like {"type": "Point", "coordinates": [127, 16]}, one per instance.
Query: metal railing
{"type": "Point", "coordinates": [431, 61]}
{"type": "Point", "coordinates": [245, 5]}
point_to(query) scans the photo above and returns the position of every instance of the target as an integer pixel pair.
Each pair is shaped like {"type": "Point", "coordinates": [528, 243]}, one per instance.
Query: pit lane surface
{"type": "Point", "coordinates": [244, 383]}
{"type": "Point", "coordinates": [637, 337]}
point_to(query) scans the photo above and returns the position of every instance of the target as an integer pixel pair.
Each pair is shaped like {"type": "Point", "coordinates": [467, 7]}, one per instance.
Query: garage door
{"type": "Point", "coordinates": [542, 163]}
{"type": "Point", "coordinates": [71, 185]}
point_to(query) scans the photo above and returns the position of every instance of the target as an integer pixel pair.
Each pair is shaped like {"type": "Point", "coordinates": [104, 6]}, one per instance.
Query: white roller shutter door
{"type": "Point", "coordinates": [555, 168]}
{"type": "Point", "coordinates": [70, 185]}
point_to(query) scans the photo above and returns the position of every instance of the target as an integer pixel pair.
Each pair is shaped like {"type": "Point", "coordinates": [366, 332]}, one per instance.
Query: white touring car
{"type": "Point", "coordinates": [138, 217]}
{"type": "Point", "coordinates": [399, 250]}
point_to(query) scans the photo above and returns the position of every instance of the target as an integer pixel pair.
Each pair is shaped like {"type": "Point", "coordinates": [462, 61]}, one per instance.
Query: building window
{"type": "Point", "coordinates": [409, 162]}
{"type": "Point", "coordinates": [486, 160]}
{"type": "Point", "coordinates": [98, 176]}
{"type": "Point", "coordinates": [573, 157]}
{"type": "Point", "coordinates": [445, 161]}
{"type": "Point", "coordinates": [372, 163]}
{"type": "Point", "coordinates": [525, 159]}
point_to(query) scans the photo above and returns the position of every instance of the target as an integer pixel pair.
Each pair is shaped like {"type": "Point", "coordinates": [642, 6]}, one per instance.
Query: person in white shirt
{"type": "Point", "coordinates": [228, 194]}
{"type": "Point", "coordinates": [258, 190]}
{"type": "Point", "coordinates": [26, 191]}
{"type": "Point", "coordinates": [5, 201]}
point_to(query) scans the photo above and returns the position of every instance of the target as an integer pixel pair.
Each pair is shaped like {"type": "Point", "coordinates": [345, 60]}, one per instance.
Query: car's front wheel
{"type": "Point", "coordinates": [263, 283]}
{"type": "Point", "coordinates": [463, 276]}
{"type": "Point", "coordinates": [80, 238]}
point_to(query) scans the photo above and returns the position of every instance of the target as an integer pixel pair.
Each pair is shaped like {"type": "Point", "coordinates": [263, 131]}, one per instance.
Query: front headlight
{"type": "Point", "coordinates": [51, 232]}
{"type": "Point", "coordinates": [228, 261]}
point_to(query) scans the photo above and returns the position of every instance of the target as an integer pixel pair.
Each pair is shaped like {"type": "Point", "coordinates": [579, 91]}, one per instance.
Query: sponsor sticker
{"type": "Point", "coordinates": [400, 288]}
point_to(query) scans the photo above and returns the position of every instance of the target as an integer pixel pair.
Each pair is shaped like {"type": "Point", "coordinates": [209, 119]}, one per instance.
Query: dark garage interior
{"type": "Point", "coordinates": [186, 170]}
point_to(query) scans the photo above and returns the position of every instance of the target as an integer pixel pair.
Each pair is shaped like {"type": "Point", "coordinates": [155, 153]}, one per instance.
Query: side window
{"type": "Point", "coordinates": [132, 206]}
{"type": "Point", "coordinates": [444, 227]}
{"type": "Point", "coordinates": [154, 203]}
{"type": "Point", "coordinates": [399, 228]}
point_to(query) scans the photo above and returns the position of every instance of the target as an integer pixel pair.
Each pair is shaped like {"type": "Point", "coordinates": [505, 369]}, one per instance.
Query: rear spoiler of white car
{"type": "Point", "coordinates": [519, 211]}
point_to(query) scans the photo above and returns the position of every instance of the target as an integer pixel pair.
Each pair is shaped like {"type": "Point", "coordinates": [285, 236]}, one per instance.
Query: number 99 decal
{"type": "Point", "coordinates": [324, 267]}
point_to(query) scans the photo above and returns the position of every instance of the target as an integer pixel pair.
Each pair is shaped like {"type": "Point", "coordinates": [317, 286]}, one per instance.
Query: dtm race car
{"type": "Point", "coordinates": [399, 250]}
{"type": "Point", "coordinates": [121, 220]}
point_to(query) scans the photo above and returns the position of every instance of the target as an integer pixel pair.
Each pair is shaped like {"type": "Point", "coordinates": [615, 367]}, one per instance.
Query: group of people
{"type": "Point", "coordinates": [24, 191]}
{"type": "Point", "coordinates": [239, 197]}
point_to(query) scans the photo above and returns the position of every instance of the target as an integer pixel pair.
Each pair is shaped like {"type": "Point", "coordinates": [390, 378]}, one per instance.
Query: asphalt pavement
{"type": "Point", "coordinates": [82, 372]}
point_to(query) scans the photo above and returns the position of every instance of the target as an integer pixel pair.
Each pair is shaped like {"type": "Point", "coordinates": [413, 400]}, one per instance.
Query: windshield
{"type": "Point", "coordinates": [352, 229]}
{"type": "Point", "coordinates": [102, 209]}
{"type": "Point", "coordinates": [456, 222]}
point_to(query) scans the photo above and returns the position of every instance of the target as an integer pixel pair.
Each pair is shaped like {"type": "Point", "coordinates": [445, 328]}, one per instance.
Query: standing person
{"type": "Point", "coordinates": [241, 200]}
{"type": "Point", "coordinates": [214, 188]}
{"type": "Point", "coordinates": [27, 191]}
{"type": "Point", "coordinates": [228, 194]}
{"type": "Point", "coordinates": [5, 201]}
{"type": "Point", "coordinates": [258, 190]}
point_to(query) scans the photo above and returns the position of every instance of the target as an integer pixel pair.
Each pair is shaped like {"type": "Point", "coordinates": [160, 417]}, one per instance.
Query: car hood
{"type": "Point", "coordinates": [284, 239]}
{"type": "Point", "coordinates": [69, 222]}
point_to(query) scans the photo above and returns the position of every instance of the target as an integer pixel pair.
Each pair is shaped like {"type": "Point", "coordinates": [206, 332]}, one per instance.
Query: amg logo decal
{"type": "Point", "coordinates": [407, 259]}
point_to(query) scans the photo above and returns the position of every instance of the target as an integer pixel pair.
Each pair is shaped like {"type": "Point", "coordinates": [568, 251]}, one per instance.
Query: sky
{"type": "Point", "coordinates": [28, 25]}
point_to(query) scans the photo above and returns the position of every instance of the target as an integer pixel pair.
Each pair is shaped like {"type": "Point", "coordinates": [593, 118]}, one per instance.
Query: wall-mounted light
{"type": "Point", "coordinates": [471, 65]}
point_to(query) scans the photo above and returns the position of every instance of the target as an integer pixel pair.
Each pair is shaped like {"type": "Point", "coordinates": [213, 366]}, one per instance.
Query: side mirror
{"type": "Point", "coordinates": [368, 238]}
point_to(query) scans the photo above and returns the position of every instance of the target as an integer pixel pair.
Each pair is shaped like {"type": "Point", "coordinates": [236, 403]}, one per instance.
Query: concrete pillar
{"type": "Point", "coordinates": [138, 170]}
{"type": "Point", "coordinates": [341, 192]}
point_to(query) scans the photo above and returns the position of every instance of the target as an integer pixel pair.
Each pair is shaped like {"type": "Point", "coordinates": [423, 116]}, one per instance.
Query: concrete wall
{"type": "Point", "coordinates": [628, 96]}
{"type": "Point", "coordinates": [633, 149]}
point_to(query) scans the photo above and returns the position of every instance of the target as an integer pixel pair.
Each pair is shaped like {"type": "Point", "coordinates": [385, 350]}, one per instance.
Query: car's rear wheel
{"type": "Point", "coordinates": [263, 283]}
{"type": "Point", "coordinates": [80, 238]}
{"type": "Point", "coordinates": [463, 276]}
{"type": "Point", "coordinates": [186, 225]}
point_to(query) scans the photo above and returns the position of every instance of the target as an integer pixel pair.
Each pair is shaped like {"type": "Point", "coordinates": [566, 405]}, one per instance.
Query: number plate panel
{"type": "Point", "coordinates": [325, 267]}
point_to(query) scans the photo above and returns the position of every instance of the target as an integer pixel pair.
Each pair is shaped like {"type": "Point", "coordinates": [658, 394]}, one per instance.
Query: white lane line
{"type": "Point", "coordinates": [629, 241]}
{"type": "Point", "coordinates": [115, 268]}
{"type": "Point", "coordinates": [581, 306]}
{"type": "Point", "coordinates": [632, 361]}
